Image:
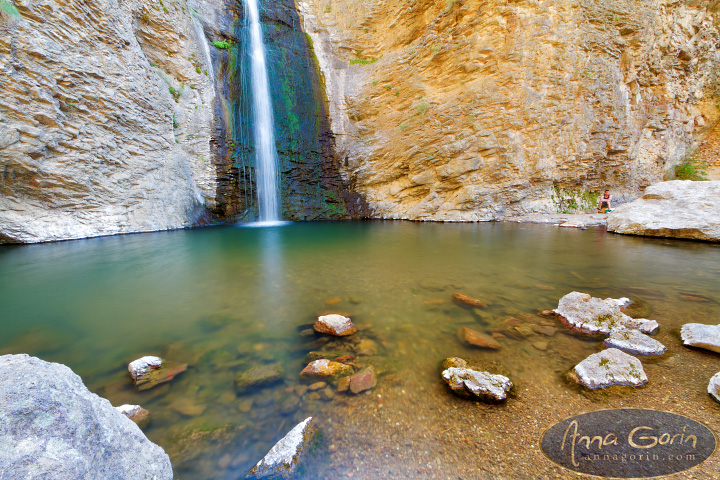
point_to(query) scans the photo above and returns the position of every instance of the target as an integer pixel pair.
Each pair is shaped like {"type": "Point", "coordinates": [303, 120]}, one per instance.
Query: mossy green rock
{"type": "Point", "coordinates": [258, 377]}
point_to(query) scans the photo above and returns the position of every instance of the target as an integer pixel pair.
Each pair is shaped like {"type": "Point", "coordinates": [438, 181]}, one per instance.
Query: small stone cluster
{"type": "Point", "coordinates": [586, 314]}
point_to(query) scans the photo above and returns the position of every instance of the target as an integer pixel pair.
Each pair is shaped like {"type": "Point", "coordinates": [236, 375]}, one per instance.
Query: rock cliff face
{"type": "Point", "coordinates": [474, 109]}
{"type": "Point", "coordinates": [105, 119]}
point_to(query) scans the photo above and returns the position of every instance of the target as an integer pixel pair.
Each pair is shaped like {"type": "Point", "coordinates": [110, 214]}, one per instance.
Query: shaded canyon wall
{"type": "Point", "coordinates": [477, 109]}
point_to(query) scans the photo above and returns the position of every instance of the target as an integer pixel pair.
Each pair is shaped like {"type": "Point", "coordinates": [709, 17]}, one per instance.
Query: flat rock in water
{"type": "Point", "coordinates": [714, 387]}
{"type": "Point", "coordinates": [477, 339]}
{"type": "Point", "coordinates": [701, 336]}
{"type": "Point", "coordinates": [587, 314]}
{"type": "Point", "coordinates": [607, 368]}
{"type": "Point", "coordinates": [283, 458]}
{"type": "Point", "coordinates": [468, 301]}
{"type": "Point", "coordinates": [677, 209]}
{"type": "Point", "coordinates": [147, 372]}
{"type": "Point", "coordinates": [53, 427]}
{"type": "Point", "coordinates": [258, 377]}
{"type": "Point", "coordinates": [334, 324]}
{"type": "Point", "coordinates": [325, 369]}
{"type": "Point", "coordinates": [136, 413]}
{"type": "Point", "coordinates": [483, 385]}
{"type": "Point", "coordinates": [634, 342]}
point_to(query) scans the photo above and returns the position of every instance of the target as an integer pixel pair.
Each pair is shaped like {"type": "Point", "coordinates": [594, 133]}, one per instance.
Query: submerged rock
{"type": "Point", "coordinates": [450, 362]}
{"type": "Point", "coordinates": [334, 324]}
{"type": "Point", "coordinates": [325, 369]}
{"type": "Point", "coordinates": [136, 413]}
{"type": "Point", "coordinates": [147, 372]}
{"type": "Point", "coordinates": [632, 341]}
{"type": "Point", "coordinates": [258, 377]}
{"type": "Point", "coordinates": [53, 427]}
{"type": "Point", "coordinates": [477, 339]}
{"type": "Point", "coordinates": [546, 330]}
{"type": "Point", "coordinates": [366, 347]}
{"type": "Point", "coordinates": [363, 380]}
{"type": "Point", "coordinates": [468, 301]}
{"type": "Point", "coordinates": [483, 385]}
{"type": "Point", "coordinates": [587, 314]}
{"type": "Point", "coordinates": [607, 368]}
{"type": "Point", "coordinates": [283, 458]}
{"type": "Point", "coordinates": [714, 387]}
{"type": "Point", "coordinates": [677, 209]}
{"type": "Point", "coordinates": [701, 336]}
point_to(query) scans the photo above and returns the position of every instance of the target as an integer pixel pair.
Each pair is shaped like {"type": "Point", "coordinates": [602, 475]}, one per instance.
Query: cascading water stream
{"type": "Point", "coordinates": [263, 135]}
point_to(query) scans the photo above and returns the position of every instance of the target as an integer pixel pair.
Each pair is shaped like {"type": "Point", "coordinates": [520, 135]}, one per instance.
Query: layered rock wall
{"type": "Point", "coordinates": [106, 118]}
{"type": "Point", "coordinates": [475, 109]}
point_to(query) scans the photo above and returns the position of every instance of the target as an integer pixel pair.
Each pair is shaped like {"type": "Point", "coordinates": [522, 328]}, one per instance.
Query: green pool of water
{"type": "Point", "coordinates": [225, 299]}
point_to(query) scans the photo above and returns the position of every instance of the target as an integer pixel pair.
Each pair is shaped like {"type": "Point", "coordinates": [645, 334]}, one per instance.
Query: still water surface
{"type": "Point", "coordinates": [225, 299]}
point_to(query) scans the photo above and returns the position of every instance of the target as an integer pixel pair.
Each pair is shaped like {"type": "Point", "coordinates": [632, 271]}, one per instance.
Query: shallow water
{"type": "Point", "coordinates": [225, 299]}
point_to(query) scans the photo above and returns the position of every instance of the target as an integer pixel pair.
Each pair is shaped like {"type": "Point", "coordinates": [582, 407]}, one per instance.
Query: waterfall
{"type": "Point", "coordinates": [263, 135]}
{"type": "Point", "coordinates": [200, 34]}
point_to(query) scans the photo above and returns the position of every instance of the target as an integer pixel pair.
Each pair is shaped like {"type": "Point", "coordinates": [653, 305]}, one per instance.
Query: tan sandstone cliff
{"type": "Point", "coordinates": [476, 109]}
{"type": "Point", "coordinates": [105, 118]}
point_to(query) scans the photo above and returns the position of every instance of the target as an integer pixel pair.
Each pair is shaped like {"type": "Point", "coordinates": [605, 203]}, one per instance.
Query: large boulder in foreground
{"type": "Point", "coordinates": [607, 368]}
{"type": "Point", "coordinates": [283, 458]}
{"type": "Point", "coordinates": [677, 209]}
{"type": "Point", "coordinates": [52, 426]}
{"type": "Point", "coordinates": [587, 314]}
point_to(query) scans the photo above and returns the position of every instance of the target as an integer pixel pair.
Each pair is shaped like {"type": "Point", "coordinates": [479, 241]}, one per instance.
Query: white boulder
{"type": "Point", "coordinates": [466, 381]}
{"type": "Point", "coordinates": [678, 209]}
{"type": "Point", "coordinates": [701, 336]}
{"type": "Point", "coordinates": [592, 315]}
{"type": "Point", "coordinates": [634, 342]}
{"type": "Point", "coordinates": [283, 458]}
{"type": "Point", "coordinates": [53, 427]}
{"type": "Point", "coordinates": [607, 368]}
{"type": "Point", "coordinates": [714, 387]}
{"type": "Point", "coordinates": [334, 324]}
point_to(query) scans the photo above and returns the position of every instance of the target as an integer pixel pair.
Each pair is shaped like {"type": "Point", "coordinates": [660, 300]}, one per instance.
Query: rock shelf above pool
{"type": "Point", "coordinates": [284, 457]}
{"type": "Point", "coordinates": [607, 368]}
{"type": "Point", "coordinates": [701, 336]}
{"type": "Point", "coordinates": [587, 314]}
